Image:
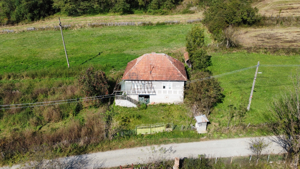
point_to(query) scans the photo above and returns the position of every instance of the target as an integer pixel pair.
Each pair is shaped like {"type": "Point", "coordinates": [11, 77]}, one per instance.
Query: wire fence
{"type": "Point", "coordinates": [152, 128]}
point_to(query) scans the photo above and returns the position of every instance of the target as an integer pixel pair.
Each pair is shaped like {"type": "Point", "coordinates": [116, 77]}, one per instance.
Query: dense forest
{"type": "Point", "coordinates": [15, 11]}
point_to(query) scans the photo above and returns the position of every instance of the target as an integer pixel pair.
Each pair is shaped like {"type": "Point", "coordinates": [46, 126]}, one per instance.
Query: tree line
{"type": "Point", "coordinates": [15, 11]}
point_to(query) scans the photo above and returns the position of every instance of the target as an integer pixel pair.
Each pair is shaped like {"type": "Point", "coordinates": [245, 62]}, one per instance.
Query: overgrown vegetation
{"type": "Point", "coordinates": [24, 10]}
{"type": "Point", "coordinates": [287, 115]}
{"type": "Point", "coordinates": [222, 14]}
{"type": "Point", "coordinates": [202, 93]}
{"type": "Point", "coordinates": [94, 83]}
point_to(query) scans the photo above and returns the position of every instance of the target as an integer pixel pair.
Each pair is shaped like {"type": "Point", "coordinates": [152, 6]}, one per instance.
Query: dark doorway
{"type": "Point", "coordinates": [144, 99]}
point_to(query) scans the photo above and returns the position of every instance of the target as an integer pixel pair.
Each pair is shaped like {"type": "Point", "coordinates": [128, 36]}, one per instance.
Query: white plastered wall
{"type": "Point", "coordinates": [175, 94]}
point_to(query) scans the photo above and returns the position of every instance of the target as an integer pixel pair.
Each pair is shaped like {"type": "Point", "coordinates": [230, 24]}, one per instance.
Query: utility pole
{"type": "Point", "coordinates": [251, 94]}
{"type": "Point", "coordinates": [63, 42]}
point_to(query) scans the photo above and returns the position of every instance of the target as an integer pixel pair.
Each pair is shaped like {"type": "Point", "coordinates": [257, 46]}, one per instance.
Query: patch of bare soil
{"type": "Point", "coordinates": [269, 37]}
{"type": "Point", "coordinates": [281, 8]}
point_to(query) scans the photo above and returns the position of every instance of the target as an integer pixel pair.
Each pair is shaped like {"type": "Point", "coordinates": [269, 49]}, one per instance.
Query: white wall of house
{"type": "Point", "coordinates": [165, 91]}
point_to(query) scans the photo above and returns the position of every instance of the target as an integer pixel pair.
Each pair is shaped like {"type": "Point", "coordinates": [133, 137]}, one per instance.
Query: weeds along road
{"type": "Point", "coordinates": [213, 148]}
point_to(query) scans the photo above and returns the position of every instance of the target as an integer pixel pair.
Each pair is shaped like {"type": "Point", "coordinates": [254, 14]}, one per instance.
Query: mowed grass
{"type": "Point", "coordinates": [275, 79]}
{"type": "Point", "coordinates": [112, 46]}
{"type": "Point", "coordinates": [177, 114]}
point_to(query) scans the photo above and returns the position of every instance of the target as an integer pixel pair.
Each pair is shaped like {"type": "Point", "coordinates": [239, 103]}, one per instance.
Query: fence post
{"type": "Point", "coordinates": [216, 160]}
{"type": "Point", "coordinates": [268, 158]}
{"type": "Point", "coordinates": [250, 158]}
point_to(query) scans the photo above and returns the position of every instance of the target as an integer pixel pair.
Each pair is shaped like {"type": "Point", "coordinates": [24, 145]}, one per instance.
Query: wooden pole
{"type": "Point", "coordinates": [64, 42]}
{"type": "Point", "coordinates": [251, 94]}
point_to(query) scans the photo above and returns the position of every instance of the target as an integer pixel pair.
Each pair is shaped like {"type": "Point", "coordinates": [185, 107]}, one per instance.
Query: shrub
{"type": "Point", "coordinates": [195, 47]}
{"type": "Point", "coordinates": [93, 83]}
{"type": "Point", "coordinates": [200, 59]}
{"type": "Point", "coordinates": [222, 14]}
{"type": "Point", "coordinates": [203, 93]}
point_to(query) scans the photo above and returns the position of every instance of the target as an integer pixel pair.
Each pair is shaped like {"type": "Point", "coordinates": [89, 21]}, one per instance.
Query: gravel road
{"type": "Point", "coordinates": [213, 148]}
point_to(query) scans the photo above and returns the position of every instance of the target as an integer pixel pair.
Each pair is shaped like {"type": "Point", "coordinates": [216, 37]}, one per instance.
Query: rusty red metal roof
{"type": "Point", "coordinates": [201, 118]}
{"type": "Point", "coordinates": [155, 66]}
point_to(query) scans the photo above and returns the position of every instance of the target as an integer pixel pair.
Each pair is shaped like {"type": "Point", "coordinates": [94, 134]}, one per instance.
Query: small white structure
{"type": "Point", "coordinates": [201, 123]}
{"type": "Point", "coordinates": [152, 78]}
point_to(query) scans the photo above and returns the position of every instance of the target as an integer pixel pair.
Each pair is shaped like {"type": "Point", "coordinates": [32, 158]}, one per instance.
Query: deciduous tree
{"type": "Point", "coordinates": [287, 123]}
{"type": "Point", "coordinates": [203, 93]}
{"type": "Point", "coordinates": [195, 46]}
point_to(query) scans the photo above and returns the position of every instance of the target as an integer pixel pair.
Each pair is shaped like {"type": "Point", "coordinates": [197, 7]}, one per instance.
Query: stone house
{"type": "Point", "coordinates": [152, 78]}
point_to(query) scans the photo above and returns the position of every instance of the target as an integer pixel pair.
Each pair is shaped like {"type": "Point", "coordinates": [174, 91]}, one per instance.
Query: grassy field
{"type": "Point", "coordinates": [111, 46]}
{"type": "Point", "coordinates": [43, 52]}
{"type": "Point", "coordinates": [33, 63]}
{"type": "Point", "coordinates": [33, 67]}
{"type": "Point", "coordinates": [274, 80]}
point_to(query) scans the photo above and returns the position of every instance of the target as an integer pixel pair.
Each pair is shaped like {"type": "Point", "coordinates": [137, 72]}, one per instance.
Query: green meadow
{"type": "Point", "coordinates": [28, 57]}
{"type": "Point", "coordinates": [275, 77]}
{"type": "Point", "coordinates": [112, 47]}
{"type": "Point", "coordinates": [33, 68]}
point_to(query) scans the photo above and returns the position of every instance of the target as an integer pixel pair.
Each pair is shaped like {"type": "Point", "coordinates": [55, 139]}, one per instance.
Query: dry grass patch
{"type": "Point", "coordinates": [276, 7]}
{"type": "Point", "coordinates": [270, 37]}
{"type": "Point", "coordinates": [85, 20]}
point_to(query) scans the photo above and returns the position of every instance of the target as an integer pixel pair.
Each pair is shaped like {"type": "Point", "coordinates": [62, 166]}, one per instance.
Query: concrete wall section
{"type": "Point", "coordinates": [124, 103]}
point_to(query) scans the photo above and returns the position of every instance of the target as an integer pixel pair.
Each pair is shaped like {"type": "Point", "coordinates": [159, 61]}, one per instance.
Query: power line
{"type": "Point", "coordinates": [46, 102]}
{"type": "Point", "coordinates": [26, 105]}
{"type": "Point", "coordinates": [220, 75]}
{"type": "Point", "coordinates": [57, 102]}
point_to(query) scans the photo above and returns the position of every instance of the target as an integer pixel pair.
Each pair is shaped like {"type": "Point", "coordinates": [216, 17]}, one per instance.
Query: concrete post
{"type": "Point", "coordinates": [176, 163]}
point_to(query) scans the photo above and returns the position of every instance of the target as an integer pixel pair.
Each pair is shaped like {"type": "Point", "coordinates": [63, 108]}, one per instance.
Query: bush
{"type": "Point", "coordinates": [195, 47]}
{"type": "Point", "coordinates": [200, 59]}
{"type": "Point", "coordinates": [203, 93]}
{"type": "Point", "coordinates": [25, 10]}
{"type": "Point", "coordinates": [142, 106]}
{"type": "Point", "coordinates": [93, 83]}
{"type": "Point", "coordinates": [222, 14]}
{"type": "Point", "coordinates": [195, 39]}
